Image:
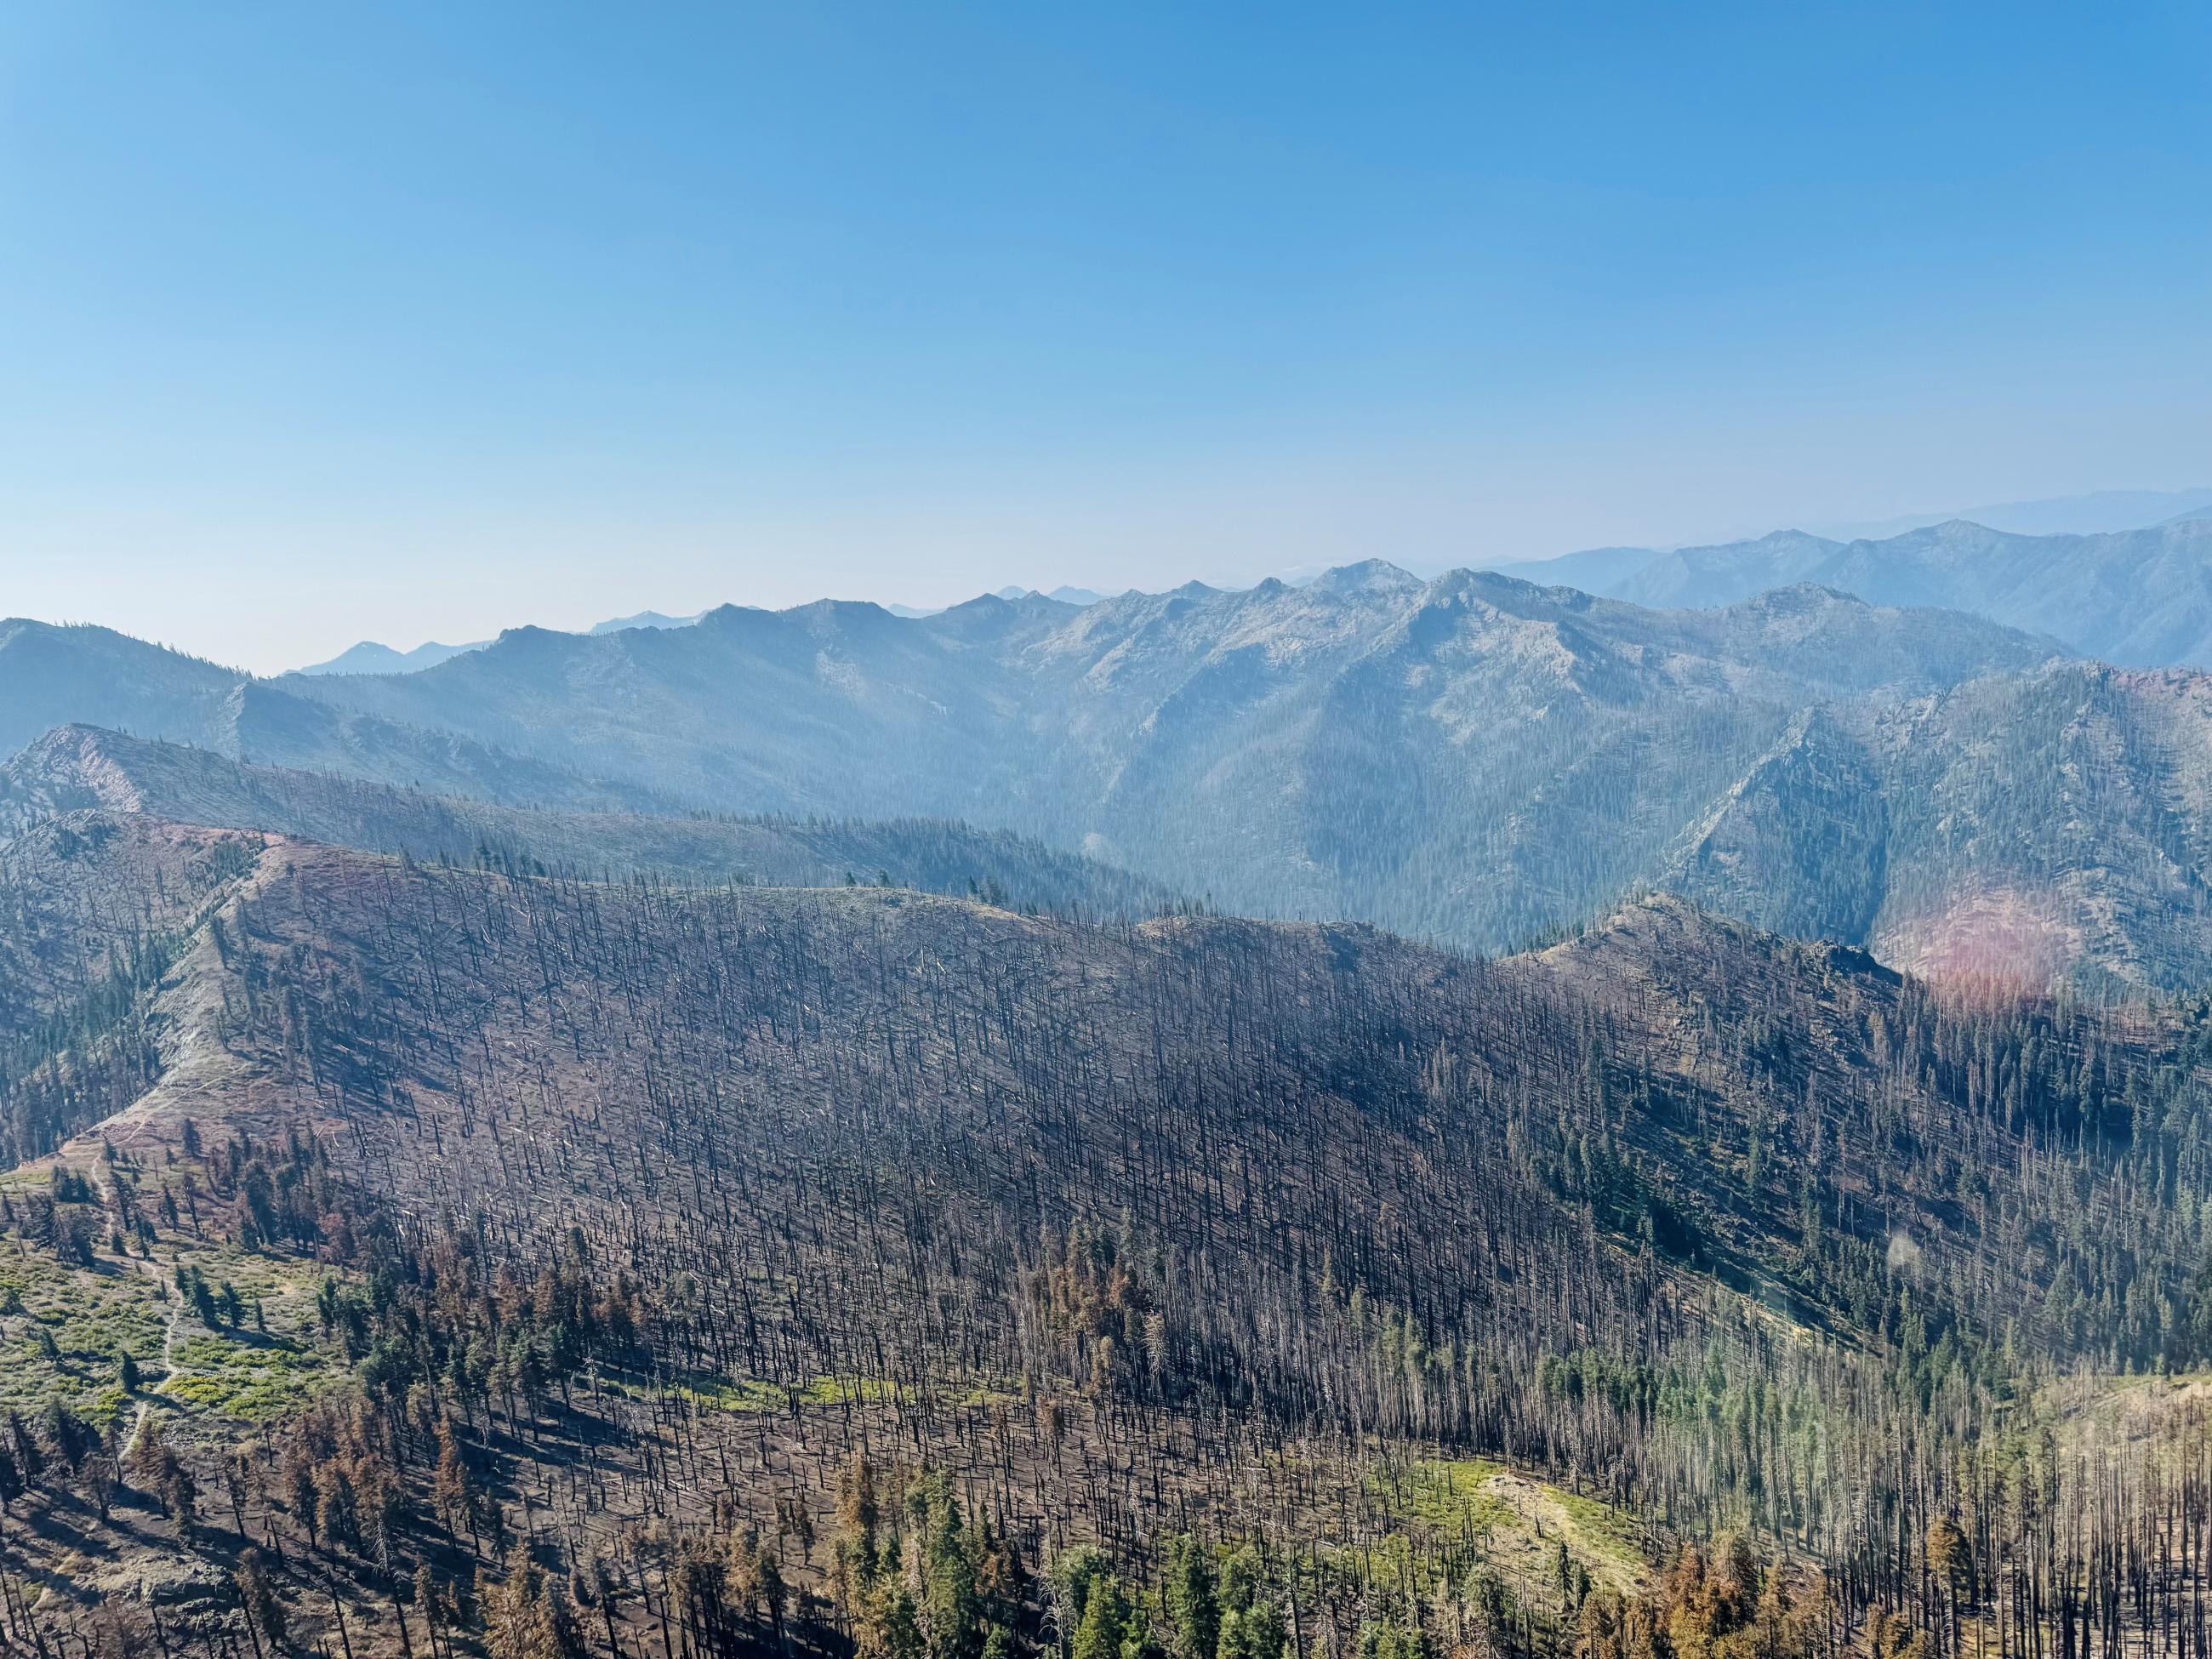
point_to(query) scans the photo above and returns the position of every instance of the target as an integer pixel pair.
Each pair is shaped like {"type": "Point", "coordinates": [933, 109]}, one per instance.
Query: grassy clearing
{"type": "Point", "coordinates": [1602, 1537]}
{"type": "Point", "coordinates": [248, 1377]}
{"type": "Point", "coordinates": [747, 1394]}
{"type": "Point", "coordinates": [1453, 1495]}
{"type": "Point", "coordinates": [2081, 1413]}
{"type": "Point", "coordinates": [1482, 1510]}
{"type": "Point", "coordinates": [63, 1331]}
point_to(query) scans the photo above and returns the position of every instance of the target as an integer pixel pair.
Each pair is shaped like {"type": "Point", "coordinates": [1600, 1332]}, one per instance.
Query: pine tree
{"type": "Point", "coordinates": [1194, 1610]}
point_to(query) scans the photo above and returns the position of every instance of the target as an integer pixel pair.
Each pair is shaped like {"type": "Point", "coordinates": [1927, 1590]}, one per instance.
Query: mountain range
{"type": "Point", "coordinates": [758, 1136]}
{"type": "Point", "coordinates": [2142, 597]}
{"type": "Point", "coordinates": [1476, 760]}
{"type": "Point", "coordinates": [369, 657]}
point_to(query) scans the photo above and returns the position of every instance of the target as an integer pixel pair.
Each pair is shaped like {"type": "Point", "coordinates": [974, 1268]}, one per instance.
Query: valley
{"type": "Point", "coordinates": [1474, 761]}
{"type": "Point", "coordinates": [526, 1158]}
{"type": "Point", "coordinates": [1040, 832]}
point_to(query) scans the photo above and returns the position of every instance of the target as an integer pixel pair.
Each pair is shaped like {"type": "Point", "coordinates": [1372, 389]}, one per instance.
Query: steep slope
{"type": "Point", "coordinates": [83, 892]}
{"type": "Point", "coordinates": [2137, 596]}
{"type": "Point", "coordinates": [2011, 831]}
{"type": "Point", "coordinates": [1475, 758]}
{"type": "Point", "coordinates": [76, 768]}
{"type": "Point", "coordinates": [1798, 844]}
{"type": "Point", "coordinates": [2063, 817]}
{"type": "Point", "coordinates": [52, 675]}
{"type": "Point", "coordinates": [642, 1224]}
{"type": "Point", "coordinates": [96, 915]}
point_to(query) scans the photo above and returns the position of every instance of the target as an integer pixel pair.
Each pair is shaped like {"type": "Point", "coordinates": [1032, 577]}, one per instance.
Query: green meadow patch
{"type": "Point", "coordinates": [253, 1379]}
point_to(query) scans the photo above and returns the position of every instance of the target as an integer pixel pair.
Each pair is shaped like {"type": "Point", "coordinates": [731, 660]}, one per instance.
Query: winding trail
{"type": "Point", "coordinates": [168, 1353]}
{"type": "Point", "coordinates": [175, 1302]}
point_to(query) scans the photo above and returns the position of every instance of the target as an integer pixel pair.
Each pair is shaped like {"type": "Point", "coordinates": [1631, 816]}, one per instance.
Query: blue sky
{"type": "Point", "coordinates": [323, 322]}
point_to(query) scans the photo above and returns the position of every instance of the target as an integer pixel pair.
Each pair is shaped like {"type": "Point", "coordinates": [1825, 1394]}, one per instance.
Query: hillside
{"type": "Point", "coordinates": [1469, 760]}
{"type": "Point", "coordinates": [1474, 759]}
{"type": "Point", "coordinates": [1327, 1065]}
{"type": "Point", "coordinates": [97, 896]}
{"type": "Point", "coordinates": [2010, 831]}
{"type": "Point", "coordinates": [50, 675]}
{"type": "Point", "coordinates": [2140, 598]}
{"type": "Point", "coordinates": [575, 1211]}
{"type": "Point", "coordinates": [75, 768]}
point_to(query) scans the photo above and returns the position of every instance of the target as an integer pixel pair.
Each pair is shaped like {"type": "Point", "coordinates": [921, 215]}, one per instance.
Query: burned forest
{"type": "Point", "coordinates": [461, 1258]}
{"type": "Point", "coordinates": [997, 831]}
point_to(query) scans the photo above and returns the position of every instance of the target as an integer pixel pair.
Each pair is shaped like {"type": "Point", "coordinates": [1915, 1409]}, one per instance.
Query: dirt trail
{"type": "Point", "coordinates": [196, 1066]}
{"type": "Point", "coordinates": [176, 1304]}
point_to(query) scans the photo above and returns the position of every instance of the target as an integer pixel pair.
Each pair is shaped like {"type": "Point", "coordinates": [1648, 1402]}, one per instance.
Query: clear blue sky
{"type": "Point", "coordinates": [411, 320]}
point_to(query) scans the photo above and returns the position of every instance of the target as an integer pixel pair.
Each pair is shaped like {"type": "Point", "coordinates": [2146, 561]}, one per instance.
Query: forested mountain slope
{"type": "Point", "coordinates": [2141, 598]}
{"type": "Point", "coordinates": [1272, 1090]}
{"type": "Point", "coordinates": [639, 1213]}
{"type": "Point", "coordinates": [1475, 759]}
{"type": "Point", "coordinates": [76, 768]}
{"type": "Point", "coordinates": [2014, 830]}
{"type": "Point", "coordinates": [51, 677]}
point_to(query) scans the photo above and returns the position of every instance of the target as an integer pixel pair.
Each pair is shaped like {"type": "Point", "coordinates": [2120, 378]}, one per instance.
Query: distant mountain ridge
{"type": "Point", "coordinates": [2141, 598]}
{"type": "Point", "coordinates": [643, 619]}
{"type": "Point", "coordinates": [79, 768]}
{"type": "Point", "coordinates": [53, 676]}
{"type": "Point", "coordinates": [1476, 760]}
{"type": "Point", "coordinates": [371, 657]}
{"type": "Point", "coordinates": [2098, 513]}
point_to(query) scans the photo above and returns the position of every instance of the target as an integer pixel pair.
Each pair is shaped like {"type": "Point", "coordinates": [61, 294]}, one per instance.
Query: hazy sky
{"type": "Point", "coordinates": [327, 321]}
